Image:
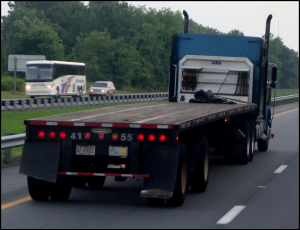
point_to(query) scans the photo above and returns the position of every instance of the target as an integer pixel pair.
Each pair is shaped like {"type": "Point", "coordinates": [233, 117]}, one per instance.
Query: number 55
{"type": "Point", "coordinates": [123, 137]}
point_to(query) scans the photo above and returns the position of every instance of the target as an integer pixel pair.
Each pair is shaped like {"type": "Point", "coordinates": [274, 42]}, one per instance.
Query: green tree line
{"type": "Point", "coordinates": [119, 42]}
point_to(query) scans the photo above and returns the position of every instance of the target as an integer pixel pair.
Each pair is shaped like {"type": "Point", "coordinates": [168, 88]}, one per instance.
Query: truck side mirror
{"type": "Point", "coordinates": [274, 76]}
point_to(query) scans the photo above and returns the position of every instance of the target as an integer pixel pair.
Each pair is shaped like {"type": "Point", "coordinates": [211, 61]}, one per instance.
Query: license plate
{"type": "Point", "coordinates": [118, 151]}
{"type": "Point", "coordinates": [85, 150]}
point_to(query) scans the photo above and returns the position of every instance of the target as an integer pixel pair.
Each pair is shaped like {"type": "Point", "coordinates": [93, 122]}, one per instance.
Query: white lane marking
{"type": "Point", "coordinates": [280, 169]}
{"type": "Point", "coordinates": [121, 111]}
{"type": "Point", "coordinates": [261, 186]}
{"type": "Point", "coordinates": [229, 216]}
{"type": "Point", "coordinates": [153, 118]}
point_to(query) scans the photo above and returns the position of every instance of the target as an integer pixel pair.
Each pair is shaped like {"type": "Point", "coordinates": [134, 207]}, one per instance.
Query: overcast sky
{"type": "Point", "coordinates": [248, 17]}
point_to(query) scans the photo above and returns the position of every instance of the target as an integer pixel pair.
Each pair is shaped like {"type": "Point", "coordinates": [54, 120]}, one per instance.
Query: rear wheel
{"type": "Point", "coordinates": [60, 191]}
{"type": "Point", "coordinates": [79, 91]}
{"type": "Point", "coordinates": [155, 201]}
{"type": "Point", "coordinates": [199, 178]}
{"type": "Point", "coordinates": [252, 145]}
{"type": "Point", "coordinates": [263, 145]}
{"type": "Point", "coordinates": [79, 182]}
{"type": "Point", "coordinates": [38, 189]}
{"type": "Point", "coordinates": [56, 96]}
{"type": "Point", "coordinates": [96, 182]}
{"type": "Point", "coordinates": [181, 183]}
{"type": "Point", "coordinates": [244, 158]}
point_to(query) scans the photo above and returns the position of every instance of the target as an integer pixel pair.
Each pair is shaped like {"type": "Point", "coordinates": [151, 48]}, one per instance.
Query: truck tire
{"type": "Point", "coordinates": [79, 182]}
{"type": "Point", "coordinates": [244, 158]}
{"type": "Point", "coordinates": [199, 177]}
{"type": "Point", "coordinates": [155, 201]}
{"type": "Point", "coordinates": [60, 191]}
{"type": "Point", "coordinates": [181, 183]}
{"type": "Point", "coordinates": [79, 91]}
{"type": "Point", "coordinates": [263, 145]}
{"type": "Point", "coordinates": [56, 96]}
{"type": "Point", "coordinates": [252, 145]}
{"type": "Point", "coordinates": [96, 182]}
{"type": "Point", "coordinates": [38, 189]}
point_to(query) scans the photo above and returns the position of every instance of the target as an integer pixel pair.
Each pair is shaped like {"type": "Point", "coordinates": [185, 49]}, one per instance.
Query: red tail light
{"type": "Point", "coordinates": [177, 138]}
{"type": "Point", "coordinates": [115, 136]}
{"type": "Point", "coordinates": [87, 136]}
{"type": "Point", "coordinates": [162, 137]}
{"type": "Point", "coordinates": [151, 137]}
{"type": "Point", "coordinates": [62, 135]}
{"type": "Point", "coordinates": [101, 136]}
{"type": "Point", "coordinates": [140, 137]}
{"type": "Point", "coordinates": [52, 134]}
{"type": "Point", "coordinates": [41, 134]}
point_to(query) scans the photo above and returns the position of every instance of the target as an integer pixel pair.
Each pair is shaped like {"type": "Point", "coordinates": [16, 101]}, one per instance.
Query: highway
{"type": "Point", "coordinates": [262, 194]}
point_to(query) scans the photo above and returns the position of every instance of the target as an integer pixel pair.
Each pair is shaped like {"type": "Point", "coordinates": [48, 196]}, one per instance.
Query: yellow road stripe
{"type": "Point", "coordinates": [285, 112]}
{"type": "Point", "coordinates": [15, 202]}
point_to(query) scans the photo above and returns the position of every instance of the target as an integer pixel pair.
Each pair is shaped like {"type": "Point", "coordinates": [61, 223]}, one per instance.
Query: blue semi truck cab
{"type": "Point", "coordinates": [232, 67]}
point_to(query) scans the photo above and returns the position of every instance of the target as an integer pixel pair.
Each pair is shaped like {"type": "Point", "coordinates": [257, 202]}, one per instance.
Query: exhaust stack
{"type": "Point", "coordinates": [186, 22]}
{"type": "Point", "coordinates": [267, 35]}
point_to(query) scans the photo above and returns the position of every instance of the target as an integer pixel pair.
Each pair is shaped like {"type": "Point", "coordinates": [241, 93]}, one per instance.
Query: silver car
{"type": "Point", "coordinates": [102, 88]}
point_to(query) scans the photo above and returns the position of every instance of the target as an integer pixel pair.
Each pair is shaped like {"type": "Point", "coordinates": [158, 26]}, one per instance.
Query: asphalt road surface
{"type": "Point", "coordinates": [262, 194]}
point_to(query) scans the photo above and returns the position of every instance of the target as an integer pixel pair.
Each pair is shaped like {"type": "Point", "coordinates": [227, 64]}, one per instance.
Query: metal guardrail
{"type": "Point", "coordinates": [11, 141]}
{"type": "Point", "coordinates": [44, 103]}
{"type": "Point", "coordinates": [285, 98]}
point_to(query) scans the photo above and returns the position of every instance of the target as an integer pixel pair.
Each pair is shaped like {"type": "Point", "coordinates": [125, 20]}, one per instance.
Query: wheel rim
{"type": "Point", "coordinates": [248, 144]}
{"type": "Point", "coordinates": [253, 141]}
{"type": "Point", "coordinates": [206, 163]}
{"type": "Point", "coordinates": [183, 177]}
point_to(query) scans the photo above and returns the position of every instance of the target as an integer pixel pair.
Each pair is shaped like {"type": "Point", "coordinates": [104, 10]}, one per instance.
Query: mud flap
{"type": "Point", "coordinates": [40, 159]}
{"type": "Point", "coordinates": [161, 161]}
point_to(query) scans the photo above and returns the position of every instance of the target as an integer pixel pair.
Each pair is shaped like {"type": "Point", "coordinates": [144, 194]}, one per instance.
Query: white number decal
{"type": "Point", "coordinates": [73, 136]}
{"type": "Point", "coordinates": [129, 138]}
{"type": "Point", "coordinates": [123, 137]}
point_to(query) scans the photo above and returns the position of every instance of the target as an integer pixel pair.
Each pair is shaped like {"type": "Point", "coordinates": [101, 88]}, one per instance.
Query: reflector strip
{"type": "Point", "coordinates": [102, 174]}
{"type": "Point", "coordinates": [37, 123]}
{"type": "Point", "coordinates": [65, 123]}
{"type": "Point", "coordinates": [93, 124]}
{"type": "Point", "coordinates": [106, 125]}
{"type": "Point", "coordinates": [79, 124]}
{"type": "Point", "coordinates": [120, 125]}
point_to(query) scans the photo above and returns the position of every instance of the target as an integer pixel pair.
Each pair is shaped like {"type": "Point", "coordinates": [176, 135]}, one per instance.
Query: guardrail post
{"type": "Point", "coordinates": [15, 105]}
{"type": "Point", "coordinates": [22, 104]}
{"type": "Point", "coordinates": [6, 105]}
{"type": "Point", "coordinates": [37, 104]}
{"type": "Point", "coordinates": [7, 155]}
{"type": "Point", "coordinates": [77, 101]}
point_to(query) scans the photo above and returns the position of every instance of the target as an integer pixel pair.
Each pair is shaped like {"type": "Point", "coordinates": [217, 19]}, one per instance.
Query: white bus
{"type": "Point", "coordinates": [55, 78]}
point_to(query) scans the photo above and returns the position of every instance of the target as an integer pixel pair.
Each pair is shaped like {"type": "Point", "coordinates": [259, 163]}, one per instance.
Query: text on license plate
{"type": "Point", "coordinates": [118, 151]}
{"type": "Point", "coordinates": [85, 150]}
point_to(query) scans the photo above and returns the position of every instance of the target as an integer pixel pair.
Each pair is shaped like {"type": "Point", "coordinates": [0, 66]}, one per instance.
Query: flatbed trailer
{"type": "Point", "coordinates": [219, 100]}
{"type": "Point", "coordinates": [177, 116]}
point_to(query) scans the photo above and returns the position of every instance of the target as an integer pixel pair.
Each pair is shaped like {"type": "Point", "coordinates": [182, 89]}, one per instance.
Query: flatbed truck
{"type": "Point", "coordinates": [167, 144]}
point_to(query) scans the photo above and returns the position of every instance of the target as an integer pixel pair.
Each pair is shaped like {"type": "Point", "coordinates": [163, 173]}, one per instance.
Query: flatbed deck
{"type": "Point", "coordinates": [177, 115]}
